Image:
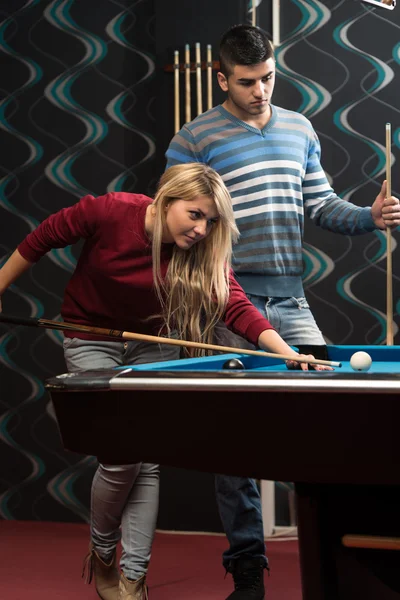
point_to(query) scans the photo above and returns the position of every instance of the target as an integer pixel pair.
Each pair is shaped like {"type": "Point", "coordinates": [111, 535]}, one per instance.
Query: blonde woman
{"type": "Point", "coordinates": [147, 266]}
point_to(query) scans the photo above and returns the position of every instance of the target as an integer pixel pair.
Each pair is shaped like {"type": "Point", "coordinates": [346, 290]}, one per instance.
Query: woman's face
{"type": "Point", "coordinates": [189, 221]}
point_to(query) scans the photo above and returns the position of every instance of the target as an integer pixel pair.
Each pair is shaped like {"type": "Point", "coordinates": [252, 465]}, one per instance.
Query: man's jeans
{"type": "Point", "coordinates": [239, 506]}
{"type": "Point", "coordinates": [238, 498]}
{"type": "Point", "coordinates": [292, 318]}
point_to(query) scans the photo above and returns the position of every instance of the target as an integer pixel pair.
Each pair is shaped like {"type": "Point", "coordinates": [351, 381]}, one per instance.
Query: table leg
{"type": "Point", "coordinates": [318, 571]}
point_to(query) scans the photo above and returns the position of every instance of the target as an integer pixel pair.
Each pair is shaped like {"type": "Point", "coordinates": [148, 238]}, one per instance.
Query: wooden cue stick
{"type": "Point", "coordinates": [198, 80]}
{"type": "Point", "coordinates": [209, 77]}
{"type": "Point", "coordinates": [276, 23]}
{"type": "Point", "coordinates": [389, 270]}
{"type": "Point", "coordinates": [253, 13]}
{"type": "Point", "coordinates": [127, 335]}
{"type": "Point", "coordinates": [176, 94]}
{"type": "Point", "coordinates": [187, 84]}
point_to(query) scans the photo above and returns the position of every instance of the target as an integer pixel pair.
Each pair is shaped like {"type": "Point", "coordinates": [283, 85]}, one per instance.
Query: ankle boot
{"type": "Point", "coordinates": [133, 590]}
{"type": "Point", "coordinates": [248, 577]}
{"type": "Point", "coordinates": [106, 575]}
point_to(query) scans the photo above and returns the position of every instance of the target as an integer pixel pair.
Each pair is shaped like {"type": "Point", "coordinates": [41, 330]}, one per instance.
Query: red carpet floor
{"type": "Point", "coordinates": [43, 561]}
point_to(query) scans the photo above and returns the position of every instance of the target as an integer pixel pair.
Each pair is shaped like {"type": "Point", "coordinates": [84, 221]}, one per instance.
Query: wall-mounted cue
{"type": "Point", "coordinates": [209, 76]}
{"type": "Point", "coordinates": [253, 13]}
{"type": "Point", "coordinates": [177, 116]}
{"type": "Point", "coordinates": [276, 23]}
{"type": "Point", "coordinates": [198, 80]}
{"type": "Point", "coordinates": [188, 101]}
{"type": "Point", "coordinates": [127, 335]}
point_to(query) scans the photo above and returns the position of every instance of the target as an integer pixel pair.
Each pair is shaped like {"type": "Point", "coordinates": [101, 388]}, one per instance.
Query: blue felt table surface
{"type": "Point", "coordinates": [385, 359]}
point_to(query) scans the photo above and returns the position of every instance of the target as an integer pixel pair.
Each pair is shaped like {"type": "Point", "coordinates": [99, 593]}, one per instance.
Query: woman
{"type": "Point", "coordinates": [153, 267]}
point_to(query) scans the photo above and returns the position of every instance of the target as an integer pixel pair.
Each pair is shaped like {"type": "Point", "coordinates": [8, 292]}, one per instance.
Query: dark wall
{"type": "Point", "coordinates": [87, 106]}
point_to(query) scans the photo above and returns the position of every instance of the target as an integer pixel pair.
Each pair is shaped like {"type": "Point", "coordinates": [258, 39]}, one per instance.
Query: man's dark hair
{"type": "Point", "coordinates": [243, 45]}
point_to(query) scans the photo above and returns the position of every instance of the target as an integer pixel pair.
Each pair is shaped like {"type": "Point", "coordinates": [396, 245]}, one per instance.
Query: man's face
{"type": "Point", "coordinates": [249, 88]}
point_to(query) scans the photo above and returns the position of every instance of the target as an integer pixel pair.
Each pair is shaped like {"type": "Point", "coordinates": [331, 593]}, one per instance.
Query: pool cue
{"type": "Point", "coordinates": [276, 23]}
{"type": "Point", "coordinates": [127, 335]}
{"type": "Point", "coordinates": [209, 77]}
{"type": "Point", "coordinates": [176, 95]}
{"type": "Point", "coordinates": [253, 13]}
{"type": "Point", "coordinates": [187, 84]}
{"type": "Point", "coordinates": [389, 270]}
{"type": "Point", "coordinates": [198, 80]}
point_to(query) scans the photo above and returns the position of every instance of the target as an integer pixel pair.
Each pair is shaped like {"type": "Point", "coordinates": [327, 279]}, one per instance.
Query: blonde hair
{"type": "Point", "coordinates": [195, 291]}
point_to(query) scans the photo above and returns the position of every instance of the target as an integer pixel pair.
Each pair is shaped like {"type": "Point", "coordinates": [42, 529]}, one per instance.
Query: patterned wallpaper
{"type": "Point", "coordinates": [339, 64]}
{"type": "Point", "coordinates": [77, 115]}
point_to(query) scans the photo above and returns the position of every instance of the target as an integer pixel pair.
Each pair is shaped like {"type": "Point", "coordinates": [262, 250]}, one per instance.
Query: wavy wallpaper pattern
{"type": "Point", "coordinates": [77, 116]}
{"type": "Point", "coordinates": [341, 60]}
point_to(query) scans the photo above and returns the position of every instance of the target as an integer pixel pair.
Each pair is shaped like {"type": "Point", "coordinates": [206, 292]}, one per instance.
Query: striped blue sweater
{"type": "Point", "coordinates": [274, 175]}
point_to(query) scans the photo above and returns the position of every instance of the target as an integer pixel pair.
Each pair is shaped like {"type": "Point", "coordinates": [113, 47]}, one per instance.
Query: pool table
{"type": "Point", "coordinates": [334, 434]}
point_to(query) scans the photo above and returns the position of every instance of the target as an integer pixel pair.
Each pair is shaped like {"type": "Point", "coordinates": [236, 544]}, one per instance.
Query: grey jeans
{"type": "Point", "coordinates": [124, 498]}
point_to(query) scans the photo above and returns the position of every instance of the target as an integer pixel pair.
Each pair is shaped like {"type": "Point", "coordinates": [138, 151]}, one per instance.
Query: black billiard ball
{"type": "Point", "coordinates": [233, 363]}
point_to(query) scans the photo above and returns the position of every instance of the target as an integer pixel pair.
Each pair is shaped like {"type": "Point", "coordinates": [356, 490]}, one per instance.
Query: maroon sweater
{"type": "Point", "coordinates": [112, 285]}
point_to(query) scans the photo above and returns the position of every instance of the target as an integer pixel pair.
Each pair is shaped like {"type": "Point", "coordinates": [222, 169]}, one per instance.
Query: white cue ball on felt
{"type": "Point", "coordinates": [360, 361]}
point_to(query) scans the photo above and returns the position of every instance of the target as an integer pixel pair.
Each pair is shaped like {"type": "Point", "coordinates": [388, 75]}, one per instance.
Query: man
{"type": "Point", "coordinates": [269, 158]}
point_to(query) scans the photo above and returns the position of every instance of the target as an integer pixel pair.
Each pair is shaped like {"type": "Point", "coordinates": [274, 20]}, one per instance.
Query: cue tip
{"type": "Point", "coordinates": [334, 363]}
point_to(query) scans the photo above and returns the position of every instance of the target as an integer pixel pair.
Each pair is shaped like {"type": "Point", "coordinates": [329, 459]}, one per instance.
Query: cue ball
{"type": "Point", "coordinates": [360, 361]}
{"type": "Point", "coordinates": [233, 363]}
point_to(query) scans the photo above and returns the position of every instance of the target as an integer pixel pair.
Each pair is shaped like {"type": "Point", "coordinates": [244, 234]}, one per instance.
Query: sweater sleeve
{"type": "Point", "coordinates": [324, 207]}
{"type": "Point", "coordinates": [182, 149]}
{"type": "Point", "coordinates": [241, 316]}
{"type": "Point", "coordinates": [65, 227]}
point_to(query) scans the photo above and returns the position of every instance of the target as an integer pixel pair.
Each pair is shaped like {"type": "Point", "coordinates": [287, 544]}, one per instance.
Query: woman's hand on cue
{"type": "Point", "coordinates": [271, 341]}
{"type": "Point", "coordinates": [294, 364]}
